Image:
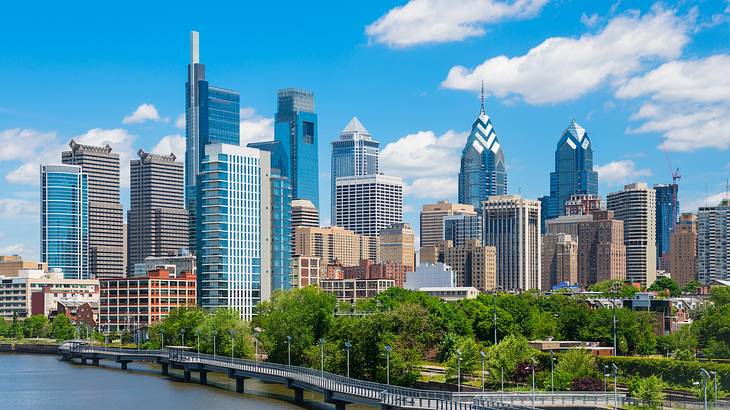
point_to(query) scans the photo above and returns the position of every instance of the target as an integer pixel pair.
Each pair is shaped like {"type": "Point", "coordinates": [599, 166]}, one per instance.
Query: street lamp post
{"type": "Point", "coordinates": [233, 338]}
{"type": "Point", "coordinates": [534, 363]}
{"type": "Point", "coordinates": [321, 352]}
{"type": "Point", "coordinates": [214, 333]}
{"type": "Point", "coordinates": [348, 346]}
{"type": "Point", "coordinates": [182, 335]}
{"type": "Point", "coordinates": [501, 391]}
{"type": "Point", "coordinates": [552, 371]}
{"type": "Point", "coordinates": [481, 353]}
{"type": "Point", "coordinates": [288, 350]}
{"type": "Point", "coordinates": [705, 375]}
{"type": "Point", "coordinates": [256, 344]}
{"type": "Point", "coordinates": [197, 334]}
{"type": "Point", "coordinates": [494, 310]}
{"type": "Point", "coordinates": [605, 378]}
{"type": "Point", "coordinates": [387, 363]}
{"type": "Point", "coordinates": [714, 376]}
{"type": "Point", "coordinates": [458, 370]}
{"type": "Point", "coordinates": [615, 385]}
{"type": "Point", "coordinates": [162, 336]}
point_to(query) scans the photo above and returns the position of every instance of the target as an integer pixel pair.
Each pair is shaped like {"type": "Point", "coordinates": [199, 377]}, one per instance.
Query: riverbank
{"type": "Point", "coordinates": [29, 348]}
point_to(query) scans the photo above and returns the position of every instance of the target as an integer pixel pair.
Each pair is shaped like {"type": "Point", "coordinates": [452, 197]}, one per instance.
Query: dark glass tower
{"type": "Point", "coordinates": [296, 130]}
{"type": "Point", "coordinates": [667, 215]}
{"type": "Point", "coordinates": [482, 172]}
{"type": "Point", "coordinates": [574, 174]}
{"type": "Point", "coordinates": [212, 115]}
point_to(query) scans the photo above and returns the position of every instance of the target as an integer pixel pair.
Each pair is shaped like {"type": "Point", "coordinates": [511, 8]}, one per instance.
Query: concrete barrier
{"type": "Point", "coordinates": [36, 348]}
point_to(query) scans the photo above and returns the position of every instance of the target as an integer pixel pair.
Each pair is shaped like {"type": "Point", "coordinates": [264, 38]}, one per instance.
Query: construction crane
{"type": "Point", "coordinates": [676, 176]}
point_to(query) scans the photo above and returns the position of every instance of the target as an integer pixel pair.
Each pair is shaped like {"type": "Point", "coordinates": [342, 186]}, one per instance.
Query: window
{"type": "Point", "coordinates": [308, 131]}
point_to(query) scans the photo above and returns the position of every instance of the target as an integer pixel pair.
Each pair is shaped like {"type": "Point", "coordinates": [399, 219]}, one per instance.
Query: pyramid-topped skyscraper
{"type": "Point", "coordinates": [482, 172]}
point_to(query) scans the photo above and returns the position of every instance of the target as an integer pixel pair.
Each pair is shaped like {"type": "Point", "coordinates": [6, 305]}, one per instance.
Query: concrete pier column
{"type": "Point", "coordinates": [203, 377]}
{"type": "Point", "coordinates": [165, 369]}
{"type": "Point", "coordinates": [298, 395]}
{"type": "Point", "coordinates": [340, 405]}
{"type": "Point", "coordinates": [239, 384]}
{"type": "Point", "coordinates": [83, 360]}
{"type": "Point", "coordinates": [123, 363]}
{"type": "Point", "coordinates": [187, 376]}
{"type": "Point", "coordinates": [95, 362]}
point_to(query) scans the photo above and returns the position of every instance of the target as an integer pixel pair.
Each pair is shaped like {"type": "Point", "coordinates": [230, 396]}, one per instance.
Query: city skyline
{"type": "Point", "coordinates": [420, 117]}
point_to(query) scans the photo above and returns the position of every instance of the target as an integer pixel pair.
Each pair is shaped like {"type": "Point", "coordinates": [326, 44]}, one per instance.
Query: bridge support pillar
{"type": "Point", "coordinates": [298, 394]}
{"type": "Point", "coordinates": [165, 369]}
{"type": "Point", "coordinates": [186, 375]}
{"type": "Point", "coordinates": [95, 361]}
{"type": "Point", "coordinates": [123, 363]}
{"type": "Point", "coordinates": [83, 360]}
{"type": "Point", "coordinates": [239, 384]}
{"type": "Point", "coordinates": [203, 377]}
{"type": "Point", "coordinates": [340, 405]}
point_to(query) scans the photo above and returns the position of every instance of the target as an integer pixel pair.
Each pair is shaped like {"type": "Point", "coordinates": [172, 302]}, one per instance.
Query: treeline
{"type": "Point", "coordinates": [38, 326]}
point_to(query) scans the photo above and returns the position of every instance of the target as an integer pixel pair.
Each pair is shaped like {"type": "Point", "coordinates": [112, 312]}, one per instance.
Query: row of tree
{"type": "Point", "coordinates": [38, 326]}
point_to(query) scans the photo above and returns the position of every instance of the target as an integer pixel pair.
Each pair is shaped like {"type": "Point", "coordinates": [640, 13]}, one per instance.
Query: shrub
{"type": "Point", "coordinates": [586, 384]}
{"type": "Point", "coordinates": [676, 372]}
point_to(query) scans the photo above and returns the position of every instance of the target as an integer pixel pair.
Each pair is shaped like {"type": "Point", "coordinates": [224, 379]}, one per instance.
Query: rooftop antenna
{"type": "Point", "coordinates": [482, 111]}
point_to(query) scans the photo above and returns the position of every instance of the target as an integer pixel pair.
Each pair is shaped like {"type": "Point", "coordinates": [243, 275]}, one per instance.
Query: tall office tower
{"type": "Point", "coordinates": [234, 232]}
{"type": "Point", "coordinates": [106, 218]}
{"type": "Point", "coordinates": [397, 245]}
{"type": "Point", "coordinates": [574, 174]}
{"type": "Point", "coordinates": [713, 242]}
{"type": "Point", "coordinates": [366, 204]}
{"type": "Point", "coordinates": [559, 260]}
{"type": "Point", "coordinates": [157, 219]}
{"type": "Point", "coordinates": [432, 220]}
{"type": "Point", "coordinates": [296, 129]}
{"type": "Point", "coordinates": [601, 249]}
{"type": "Point", "coordinates": [483, 171]}
{"type": "Point", "coordinates": [667, 214]}
{"type": "Point", "coordinates": [473, 264]}
{"type": "Point", "coordinates": [683, 250]}
{"type": "Point", "coordinates": [461, 228]}
{"type": "Point", "coordinates": [583, 204]}
{"type": "Point", "coordinates": [636, 206]}
{"type": "Point", "coordinates": [212, 115]}
{"type": "Point", "coordinates": [281, 215]}
{"type": "Point", "coordinates": [65, 220]}
{"type": "Point", "coordinates": [354, 154]}
{"type": "Point", "coordinates": [512, 225]}
{"type": "Point", "coordinates": [333, 244]}
{"type": "Point", "coordinates": [304, 213]}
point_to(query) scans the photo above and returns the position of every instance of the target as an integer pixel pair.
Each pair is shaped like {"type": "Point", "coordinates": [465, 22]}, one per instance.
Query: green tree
{"type": "Point", "coordinates": [36, 326]}
{"type": "Point", "coordinates": [665, 284]}
{"type": "Point", "coordinates": [648, 390]}
{"type": "Point", "coordinates": [506, 355]}
{"type": "Point", "coordinates": [571, 365]}
{"type": "Point", "coordinates": [470, 359]}
{"type": "Point", "coordinates": [692, 287]}
{"type": "Point", "coordinates": [62, 328]}
{"type": "Point", "coordinates": [720, 296]}
{"type": "Point", "coordinates": [4, 328]}
{"type": "Point", "coordinates": [608, 287]}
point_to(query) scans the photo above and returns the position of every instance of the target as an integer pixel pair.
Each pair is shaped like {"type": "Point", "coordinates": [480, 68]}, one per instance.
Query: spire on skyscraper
{"type": "Point", "coordinates": [482, 111]}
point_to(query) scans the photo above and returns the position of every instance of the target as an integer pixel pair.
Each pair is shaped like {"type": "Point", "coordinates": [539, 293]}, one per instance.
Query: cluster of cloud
{"type": "Point", "coordinates": [254, 127]}
{"type": "Point", "coordinates": [441, 21]}
{"type": "Point", "coordinates": [621, 172]}
{"type": "Point", "coordinates": [144, 112]}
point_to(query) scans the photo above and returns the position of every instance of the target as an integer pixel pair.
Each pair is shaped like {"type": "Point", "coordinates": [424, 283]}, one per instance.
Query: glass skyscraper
{"type": "Point", "coordinates": [483, 173]}
{"type": "Point", "coordinates": [667, 215]}
{"type": "Point", "coordinates": [574, 174]}
{"type": "Point", "coordinates": [281, 215]}
{"type": "Point", "coordinates": [354, 154]}
{"type": "Point", "coordinates": [212, 115]}
{"type": "Point", "coordinates": [234, 244]}
{"type": "Point", "coordinates": [296, 130]}
{"type": "Point", "coordinates": [460, 228]}
{"type": "Point", "coordinates": [65, 220]}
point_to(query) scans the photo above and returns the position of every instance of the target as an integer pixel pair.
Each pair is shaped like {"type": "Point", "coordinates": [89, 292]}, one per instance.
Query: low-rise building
{"type": "Point", "coordinates": [79, 313]}
{"type": "Point", "coordinates": [473, 264]}
{"type": "Point", "coordinates": [431, 275]}
{"type": "Point", "coordinates": [366, 269]}
{"type": "Point", "coordinates": [36, 292]}
{"type": "Point", "coordinates": [352, 290]}
{"type": "Point", "coordinates": [452, 294]}
{"type": "Point", "coordinates": [183, 262]}
{"type": "Point", "coordinates": [10, 265]}
{"type": "Point", "coordinates": [305, 271]}
{"type": "Point", "coordinates": [138, 302]}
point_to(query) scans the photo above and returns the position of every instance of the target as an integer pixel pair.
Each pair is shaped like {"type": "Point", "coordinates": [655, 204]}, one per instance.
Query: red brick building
{"type": "Point", "coordinates": [79, 313]}
{"type": "Point", "coordinates": [366, 269]}
{"type": "Point", "coordinates": [137, 302]}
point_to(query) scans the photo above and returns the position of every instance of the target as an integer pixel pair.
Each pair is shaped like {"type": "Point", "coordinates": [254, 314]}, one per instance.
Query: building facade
{"type": "Point", "coordinates": [157, 222]}
{"type": "Point", "coordinates": [574, 174]}
{"type": "Point", "coordinates": [65, 220]}
{"type": "Point", "coordinates": [352, 290]}
{"type": "Point", "coordinates": [483, 172]}
{"type": "Point", "coordinates": [10, 265]}
{"type": "Point", "coordinates": [683, 250]}
{"type": "Point", "coordinates": [184, 262]}
{"type": "Point", "coordinates": [636, 206]}
{"type": "Point", "coordinates": [713, 239]}
{"type": "Point", "coordinates": [234, 229]}
{"type": "Point", "coordinates": [461, 228]}
{"type": "Point", "coordinates": [431, 275]}
{"type": "Point", "coordinates": [367, 204]}
{"type": "Point", "coordinates": [136, 303]}
{"type": "Point", "coordinates": [512, 225]}
{"type": "Point", "coordinates": [667, 215]}
{"type": "Point", "coordinates": [432, 220]}
{"type": "Point", "coordinates": [601, 249]}
{"type": "Point", "coordinates": [559, 260]}
{"type": "Point", "coordinates": [212, 116]}
{"type": "Point", "coordinates": [333, 244]}
{"type": "Point", "coordinates": [583, 204]}
{"type": "Point", "coordinates": [296, 129]}
{"type": "Point", "coordinates": [106, 219]}
{"type": "Point", "coordinates": [474, 265]}
{"type": "Point", "coordinates": [367, 269]}
{"type": "Point", "coordinates": [305, 271]}
{"type": "Point", "coordinates": [568, 224]}
{"type": "Point", "coordinates": [397, 245]}
{"type": "Point", "coordinates": [355, 153]}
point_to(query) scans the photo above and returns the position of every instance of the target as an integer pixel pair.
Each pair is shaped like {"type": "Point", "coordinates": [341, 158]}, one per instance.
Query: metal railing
{"type": "Point", "coordinates": [557, 399]}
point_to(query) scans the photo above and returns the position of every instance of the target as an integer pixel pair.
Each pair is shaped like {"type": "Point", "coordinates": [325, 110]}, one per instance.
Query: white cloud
{"type": "Point", "coordinates": [427, 162]}
{"type": "Point", "coordinates": [18, 208]}
{"type": "Point", "coordinates": [171, 144]}
{"type": "Point", "coordinates": [441, 21]}
{"type": "Point", "coordinates": [180, 121]}
{"type": "Point", "coordinates": [145, 112]}
{"type": "Point", "coordinates": [710, 200]}
{"type": "Point", "coordinates": [19, 143]}
{"type": "Point", "coordinates": [620, 172]}
{"type": "Point", "coordinates": [562, 68]}
{"type": "Point", "coordinates": [689, 103]}
{"type": "Point", "coordinates": [589, 21]}
{"type": "Point", "coordinates": [254, 127]}
{"type": "Point", "coordinates": [13, 249]}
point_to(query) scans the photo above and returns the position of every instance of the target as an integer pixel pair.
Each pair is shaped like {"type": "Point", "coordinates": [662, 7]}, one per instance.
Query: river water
{"type": "Point", "coordinates": [45, 382]}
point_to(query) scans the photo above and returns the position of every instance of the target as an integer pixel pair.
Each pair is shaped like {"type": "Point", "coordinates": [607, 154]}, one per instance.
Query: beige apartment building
{"type": "Point", "coordinates": [432, 220]}
{"type": "Point", "coordinates": [10, 265]}
{"type": "Point", "coordinates": [683, 250]}
{"type": "Point", "coordinates": [333, 243]}
{"type": "Point", "coordinates": [559, 260]}
{"type": "Point", "coordinates": [601, 250]}
{"type": "Point", "coordinates": [474, 265]}
{"type": "Point", "coordinates": [397, 245]}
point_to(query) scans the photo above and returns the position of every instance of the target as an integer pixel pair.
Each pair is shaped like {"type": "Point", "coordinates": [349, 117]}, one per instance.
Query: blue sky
{"type": "Point", "coordinates": [641, 77]}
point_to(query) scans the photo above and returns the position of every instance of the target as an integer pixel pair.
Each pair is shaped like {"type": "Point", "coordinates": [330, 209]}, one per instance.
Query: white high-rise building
{"type": "Point", "coordinates": [234, 232]}
{"type": "Point", "coordinates": [636, 206]}
{"type": "Point", "coordinates": [366, 204]}
{"type": "Point", "coordinates": [713, 242]}
{"type": "Point", "coordinates": [512, 225]}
